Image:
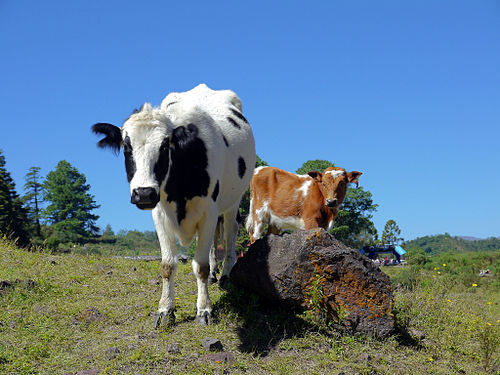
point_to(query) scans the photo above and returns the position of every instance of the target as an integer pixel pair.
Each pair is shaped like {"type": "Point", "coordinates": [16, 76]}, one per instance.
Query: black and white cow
{"type": "Point", "coordinates": [190, 160]}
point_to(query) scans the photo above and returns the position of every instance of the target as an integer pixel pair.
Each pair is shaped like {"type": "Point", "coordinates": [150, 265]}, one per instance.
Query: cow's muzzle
{"type": "Point", "coordinates": [145, 198]}
{"type": "Point", "coordinates": [332, 203]}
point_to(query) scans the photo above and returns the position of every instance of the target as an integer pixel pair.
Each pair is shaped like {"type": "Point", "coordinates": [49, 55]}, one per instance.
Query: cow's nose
{"type": "Point", "coordinates": [144, 197]}
{"type": "Point", "coordinates": [331, 202]}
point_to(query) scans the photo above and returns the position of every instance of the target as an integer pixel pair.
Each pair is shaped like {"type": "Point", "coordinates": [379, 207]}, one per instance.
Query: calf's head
{"type": "Point", "coordinates": [333, 184]}
{"type": "Point", "coordinates": [144, 138]}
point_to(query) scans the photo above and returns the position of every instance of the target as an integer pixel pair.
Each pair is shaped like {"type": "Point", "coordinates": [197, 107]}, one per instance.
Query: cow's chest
{"type": "Point", "coordinates": [195, 211]}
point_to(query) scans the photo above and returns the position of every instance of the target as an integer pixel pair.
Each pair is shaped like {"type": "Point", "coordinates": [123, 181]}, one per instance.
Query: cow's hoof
{"type": "Point", "coordinates": [204, 319]}
{"type": "Point", "coordinates": [164, 318]}
{"type": "Point", "coordinates": [224, 282]}
{"type": "Point", "coordinates": [212, 279]}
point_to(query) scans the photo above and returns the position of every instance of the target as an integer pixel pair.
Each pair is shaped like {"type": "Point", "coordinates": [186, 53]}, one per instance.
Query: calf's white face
{"type": "Point", "coordinates": [145, 141]}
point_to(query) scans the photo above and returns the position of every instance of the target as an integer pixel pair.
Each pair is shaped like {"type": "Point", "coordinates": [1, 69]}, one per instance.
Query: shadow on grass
{"type": "Point", "coordinates": [405, 338]}
{"type": "Point", "coordinates": [261, 326]}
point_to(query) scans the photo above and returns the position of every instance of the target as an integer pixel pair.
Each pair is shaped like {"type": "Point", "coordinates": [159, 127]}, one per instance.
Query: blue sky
{"type": "Point", "coordinates": [406, 92]}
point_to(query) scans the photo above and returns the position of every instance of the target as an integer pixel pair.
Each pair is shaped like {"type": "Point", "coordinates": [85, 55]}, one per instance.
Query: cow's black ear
{"type": "Point", "coordinates": [316, 175]}
{"type": "Point", "coordinates": [113, 136]}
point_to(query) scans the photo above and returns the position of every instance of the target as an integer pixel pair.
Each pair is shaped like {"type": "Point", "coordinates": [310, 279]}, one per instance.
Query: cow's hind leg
{"type": "Point", "coordinates": [168, 268]}
{"type": "Point", "coordinates": [201, 269]}
{"type": "Point", "coordinates": [231, 227]}
{"type": "Point", "coordinates": [214, 269]}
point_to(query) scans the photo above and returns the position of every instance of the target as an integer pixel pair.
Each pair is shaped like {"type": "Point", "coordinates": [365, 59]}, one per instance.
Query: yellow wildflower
{"type": "Point", "coordinates": [431, 359]}
{"type": "Point", "coordinates": [488, 303]}
{"type": "Point", "coordinates": [488, 324]}
{"type": "Point", "coordinates": [449, 300]}
{"type": "Point", "coordinates": [444, 264]}
{"type": "Point", "coordinates": [474, 284]}
{"type": "Point", "coordinates": [439, 272]}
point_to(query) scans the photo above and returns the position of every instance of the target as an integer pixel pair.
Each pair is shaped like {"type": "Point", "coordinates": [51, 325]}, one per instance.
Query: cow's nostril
{"type": "Point", "coordinates": [135, 197]}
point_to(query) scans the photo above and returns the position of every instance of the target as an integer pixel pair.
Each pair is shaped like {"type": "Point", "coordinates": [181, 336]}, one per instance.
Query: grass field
{"type": "Point", "coordinates": [69, 314]}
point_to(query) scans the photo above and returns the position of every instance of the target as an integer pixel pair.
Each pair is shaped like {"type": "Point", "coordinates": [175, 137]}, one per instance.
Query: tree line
{"type": "Point", "coordinates": [57, 209]}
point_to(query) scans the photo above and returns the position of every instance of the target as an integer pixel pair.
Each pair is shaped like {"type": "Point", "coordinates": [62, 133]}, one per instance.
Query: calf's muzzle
{"type": "Point", "coordinates": [331, 202]}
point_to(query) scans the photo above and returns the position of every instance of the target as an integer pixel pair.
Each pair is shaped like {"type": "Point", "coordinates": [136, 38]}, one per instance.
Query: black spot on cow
{"type": "Point", "coordinates": [225, 141]}
{"type": "Point", "coordinates": [215, 193]}
{"type": "Point", "coordinates": [239, 115]}
{"type": "Point", "coordinates": [130, 167]}
{"type": "Point", "coordinates": [242, 167]}
{"type": "Point", "coordinates": [188, 177]}
{"type": "Point", "coordinates": [234, 123]}
{"type": "Point", "coordinates": [161, 165]}
{"type": "Point", "coordinates": [113, 136]}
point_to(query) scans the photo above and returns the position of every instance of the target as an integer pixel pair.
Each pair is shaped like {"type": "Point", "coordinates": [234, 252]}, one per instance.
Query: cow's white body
{"type": "Point", "coordinates": [199, 186]}
{"type": "Point", "coordinates": [209, 110]}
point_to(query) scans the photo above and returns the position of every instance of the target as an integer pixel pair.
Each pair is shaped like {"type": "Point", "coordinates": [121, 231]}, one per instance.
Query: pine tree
{"type": "Point", "coordinates": [391, 233]}
{"type": "Point", "coordinates": [13, 216]}
{"type": "Point", "coordinates": [33, 197]}
{"type": "Point", "coordinates": [69, 205]}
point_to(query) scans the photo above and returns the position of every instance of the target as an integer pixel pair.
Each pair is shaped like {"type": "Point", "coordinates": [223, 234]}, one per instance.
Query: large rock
{"type": "Point", "coordinates": [310, 270]}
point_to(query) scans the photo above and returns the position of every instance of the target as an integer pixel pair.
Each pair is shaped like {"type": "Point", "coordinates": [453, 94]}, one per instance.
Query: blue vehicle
{"type": "Point", "coordinates": [372, 251]}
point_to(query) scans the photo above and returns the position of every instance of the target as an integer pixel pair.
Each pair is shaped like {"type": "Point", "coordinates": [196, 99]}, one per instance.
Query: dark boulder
{"type": "Point", "coordinates": [310, 270]}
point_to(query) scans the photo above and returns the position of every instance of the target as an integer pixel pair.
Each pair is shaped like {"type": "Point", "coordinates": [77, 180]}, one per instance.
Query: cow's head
{"type": "Point", "coordinates": [145, 141]}
{"type": "Point", "coordinates": [333, 184]}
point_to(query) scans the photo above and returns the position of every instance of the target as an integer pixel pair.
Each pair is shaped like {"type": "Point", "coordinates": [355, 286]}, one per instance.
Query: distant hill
{"type": "Point", "coordinates": [444, 242]}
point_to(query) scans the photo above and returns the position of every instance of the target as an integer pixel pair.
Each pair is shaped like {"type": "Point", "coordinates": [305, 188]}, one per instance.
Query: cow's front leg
{"type": "Point", "coordinates": [201, 269]}
{"type": "Point", "coordinates": [168, 268]}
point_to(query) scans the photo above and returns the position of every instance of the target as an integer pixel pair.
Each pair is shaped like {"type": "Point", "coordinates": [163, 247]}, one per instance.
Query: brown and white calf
{"type": "Point", "coordinates": [287, 201]}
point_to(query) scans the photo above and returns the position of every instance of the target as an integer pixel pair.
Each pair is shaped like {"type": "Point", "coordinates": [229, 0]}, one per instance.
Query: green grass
{"type": "Point", "coordinates": [67, 313]}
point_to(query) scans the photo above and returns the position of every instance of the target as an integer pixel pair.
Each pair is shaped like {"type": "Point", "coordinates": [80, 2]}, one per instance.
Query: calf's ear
{"type": "Point", "coordinates": [113, 136]}
{"type": "Point", "coordinates": [316, 175]}
{"type": "Point", "coordinates": [353, 177]}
